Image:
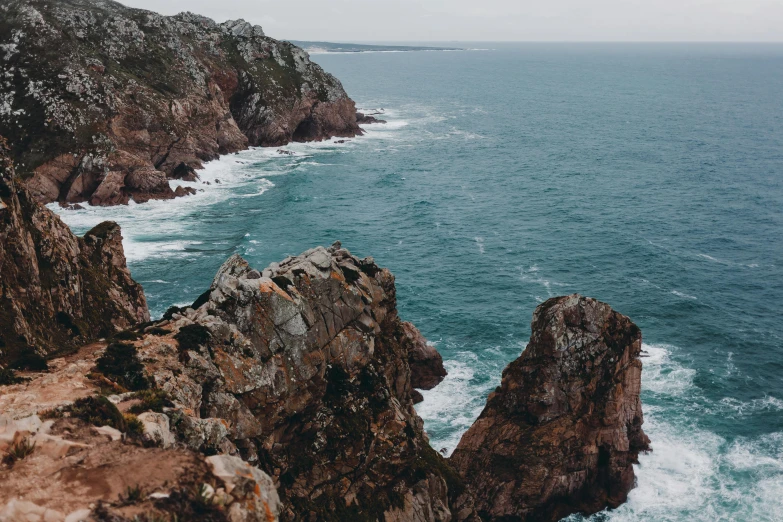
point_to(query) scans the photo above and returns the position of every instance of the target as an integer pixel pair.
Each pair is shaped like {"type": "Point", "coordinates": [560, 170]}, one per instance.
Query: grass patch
{"type": "Point", "coordinates": [151, 400]}
{"type": "Point", "coordinates": [135, 426]}
{"type": "Point", "coordinates": [133, 495]}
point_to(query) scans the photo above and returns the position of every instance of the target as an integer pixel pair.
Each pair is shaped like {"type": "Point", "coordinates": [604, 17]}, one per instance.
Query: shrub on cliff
{"type": "Point", "coordinates": [120, 363]}
{"type": "Point", "coordinates": [98, 411]}
{"type": "Point", "coordinates": [191, 337]}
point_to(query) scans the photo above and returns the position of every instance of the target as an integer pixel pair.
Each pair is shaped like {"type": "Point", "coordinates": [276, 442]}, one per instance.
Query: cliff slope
{"type": "Point", "coordinates": [57, 291]}
{"type": "Point", "coordinates": [103, 102]}
{"type": "Point", "coordinates": [562, 432]}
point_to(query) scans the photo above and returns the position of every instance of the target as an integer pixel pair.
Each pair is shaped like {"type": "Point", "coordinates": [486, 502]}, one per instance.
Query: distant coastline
{"type": "Point", "coordinates": [331, 47]}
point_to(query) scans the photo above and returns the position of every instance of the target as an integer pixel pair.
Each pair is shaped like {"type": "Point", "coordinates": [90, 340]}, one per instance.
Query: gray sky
{"type": "Point", "coordinates": [496, 20]}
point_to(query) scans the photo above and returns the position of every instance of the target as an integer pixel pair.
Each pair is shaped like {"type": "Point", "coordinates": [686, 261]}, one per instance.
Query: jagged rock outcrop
{"type": "Point", "coordinates": [103, 102]}
{"type": "Point", "coordinates": [302, 369]}
{"type": "Point", "coordinates": [562, 431]}
{"type": "Point", "coordinates": [368, 119]}
{"type": "Point", "coordinates": [57, 291]}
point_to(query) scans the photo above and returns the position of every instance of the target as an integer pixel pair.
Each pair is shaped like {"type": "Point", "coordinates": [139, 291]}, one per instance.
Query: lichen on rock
{"type": "Point", "coordinates": [103, 102]}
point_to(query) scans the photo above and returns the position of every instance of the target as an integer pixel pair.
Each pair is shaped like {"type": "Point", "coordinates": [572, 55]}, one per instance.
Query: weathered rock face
{"type": "Point", "coordinates": [103, 102]}
{"type": "Point", "coordinates": [58, 291]}
{"type": "Point", "coordinates": [302, 369]}
{"type": "Point", "coordinates": [562, 431]}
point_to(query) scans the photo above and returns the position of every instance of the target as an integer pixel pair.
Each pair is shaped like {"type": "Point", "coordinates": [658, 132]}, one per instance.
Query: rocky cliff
{"type": "Point", "coordinates": [561, 433]}
{"type": "Point", "coordinates": [302, 369]}
{"type": "Point", "coordinates": [103, 103]}
{"type": "Point", "coordinates": [57, 291]}
{"type": "Point", "coordinates": [284, 393]}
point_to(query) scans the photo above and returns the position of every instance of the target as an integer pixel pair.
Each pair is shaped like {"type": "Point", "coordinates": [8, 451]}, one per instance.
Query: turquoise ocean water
{"type": "Point", "coordinates": [647, 176]}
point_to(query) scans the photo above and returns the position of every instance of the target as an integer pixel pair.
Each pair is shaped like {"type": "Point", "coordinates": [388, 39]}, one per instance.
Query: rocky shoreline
{"type": "Point", "coordinates": [284, 394]}
{"type": "Point", "coordinates": [104, 104]}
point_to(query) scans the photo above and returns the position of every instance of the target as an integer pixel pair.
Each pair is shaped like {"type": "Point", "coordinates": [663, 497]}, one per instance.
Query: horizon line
{"type": "Point", "coordinates": [398, 42]}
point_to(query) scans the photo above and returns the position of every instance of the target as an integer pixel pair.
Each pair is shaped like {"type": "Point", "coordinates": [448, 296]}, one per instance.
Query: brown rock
{"type": "Point", "coordinates": [426, 363]}
{"type": "Point", "coordinates": [58, 291]}
{"type": "Point", "coordinates": [562, 431]}
{"type": "Point", "coordinates": [302, 368]}
{"type": "Point", "coordinates": [367, 119]}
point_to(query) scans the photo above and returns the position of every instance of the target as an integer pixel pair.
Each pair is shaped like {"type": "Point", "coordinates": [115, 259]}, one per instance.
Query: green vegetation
{"type": "Point", "coordinates": [8, 377]}
{"type": "Point", "coordinates": [151, 400]}
{"type": "Point", "coordinates": [135, 428]}
{"type": "Point", "coordinates": [133, 495]}
{"type": "Point", "coordinates": [98, 411]}
{"type": "Point", "coordinates": [120, 363]}
{"type": "Point", "coordinates": [191, 337]}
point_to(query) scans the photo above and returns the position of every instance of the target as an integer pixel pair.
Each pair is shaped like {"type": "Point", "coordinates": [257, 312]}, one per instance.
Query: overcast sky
{"type": "Point", "coordinates": [496, 20]}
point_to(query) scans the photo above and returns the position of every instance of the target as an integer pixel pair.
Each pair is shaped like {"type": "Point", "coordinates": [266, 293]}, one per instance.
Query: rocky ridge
{"type": "Point", "coordinates": [105, 103]}
{"type": "Point", "coordinates": [302, 369]}
{"type": "Point", "coordinates": [57, 291]}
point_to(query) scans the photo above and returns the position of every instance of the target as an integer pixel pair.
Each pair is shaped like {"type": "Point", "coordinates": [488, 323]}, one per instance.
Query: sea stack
{"type": "Point", "coordinates": [562, 432]}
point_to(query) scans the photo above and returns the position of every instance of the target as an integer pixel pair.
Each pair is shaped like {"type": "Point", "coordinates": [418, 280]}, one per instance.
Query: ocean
{"type": "Point", "coordinates": [647, 176]}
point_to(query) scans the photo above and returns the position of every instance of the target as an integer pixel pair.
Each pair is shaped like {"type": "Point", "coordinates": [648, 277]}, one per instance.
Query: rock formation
{"type": "Point", "coordinates": [57, 291]}
{"type": "Point", "coordinates": [103, 102]}
{"type": "Point", "coordinates": [368, 119]}
{"type": "Point", "coordinates": [286, 392]}
{"type": "Point", "coordinates": [302, 369]}
{"type": "Point", "coordinates": [562, 431]}
{"type": "Point", "coordinates": [425, 362]}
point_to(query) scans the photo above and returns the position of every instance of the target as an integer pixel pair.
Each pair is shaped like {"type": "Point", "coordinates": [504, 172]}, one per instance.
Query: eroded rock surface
{"type": "Point", "coordinates": [75, 473]}
{"type": "Point", "coordinates": [302, 369]}
{"type": "Point", "coordinates": [57, 291]}
{"type": "Point", "coordinates": [103, 102]}
{"type": "Point", "coordinates": [561, 433]}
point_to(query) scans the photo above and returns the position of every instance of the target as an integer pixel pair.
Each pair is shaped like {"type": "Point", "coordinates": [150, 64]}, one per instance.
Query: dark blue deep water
{"type": "Point", "coordinates": [648, 176]}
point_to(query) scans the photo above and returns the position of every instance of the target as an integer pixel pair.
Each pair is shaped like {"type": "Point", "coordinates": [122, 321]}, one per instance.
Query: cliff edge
{"type": "Point", "coordinates": [57, 291]}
